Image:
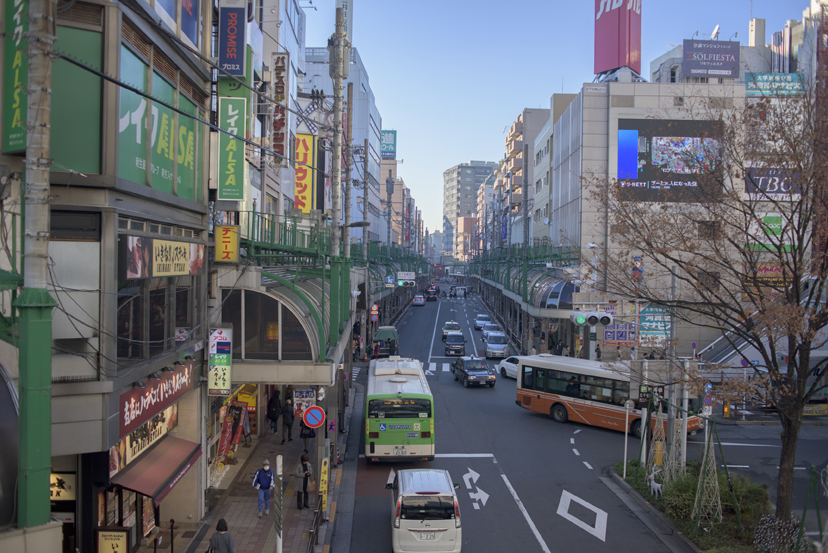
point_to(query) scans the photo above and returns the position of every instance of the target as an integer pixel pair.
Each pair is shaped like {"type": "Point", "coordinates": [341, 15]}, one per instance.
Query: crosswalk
{"type": "Point", "coordinates": [432, 368]}
{"type": "Point", "coordinates": [355, 372]}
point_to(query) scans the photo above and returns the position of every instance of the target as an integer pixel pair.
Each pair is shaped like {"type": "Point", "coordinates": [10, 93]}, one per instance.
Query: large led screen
{"type": "Point", "coordinates": [666, 160]}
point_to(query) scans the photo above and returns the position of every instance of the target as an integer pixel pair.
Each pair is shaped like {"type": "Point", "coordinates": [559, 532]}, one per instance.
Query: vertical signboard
{"type": "Point", "coordinates": [305, 174]}
{"type": "Point", "coordinates": [347, 7]}
{"type": "Point", "coordinates": [232, 40]}
{"type": "Point", "coordinates": [231, 150]}
{"type": "Point", "coordinates": [227, 244]}
{"type": "Point", "coordinates": [221, 361]}
{"type": "Point", "coordinates": [617, 35]}
{"type": "Point", "coordinates": [388, 144]}
{"type": "Point", "coordinates": [655, 326]}
{"type": "Point", "coordinates": [15, 75]}
{"type": "Point", "coordinates": [323, 482]}
{"type": "Point", "coordinates": [280, 74]}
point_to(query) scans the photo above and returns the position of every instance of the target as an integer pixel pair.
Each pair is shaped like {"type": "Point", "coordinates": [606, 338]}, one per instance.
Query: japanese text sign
{"type": "Point", "coordinates": [138, 405]}
{"type": "Point", "coordinates": [711, 58]}
{"type": "Point", "coordinates": [617, 35]}
{"type": "Point", "coordinates": [221, 360]}
{"type": "Point", "coordinates": [15, 75]}
{"type": "Point", "coordinates": [305, 173]}
{"type": "Point", "coordinates": [280, 71]}
{"type": "Point", "coordinates": [231, 118]}
{"type": "Point", "coordinates": [232, 39]}
{"type": "Point", "coordinates": [227, 244]}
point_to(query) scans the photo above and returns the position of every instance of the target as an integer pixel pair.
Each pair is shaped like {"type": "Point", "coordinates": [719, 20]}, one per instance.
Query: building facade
{"type": "Point", "coordinates": [460, 184]}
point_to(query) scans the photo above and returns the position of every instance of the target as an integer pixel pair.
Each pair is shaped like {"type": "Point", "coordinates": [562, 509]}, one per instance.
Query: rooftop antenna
{"type": "Point", "coordinates": [715, 34]}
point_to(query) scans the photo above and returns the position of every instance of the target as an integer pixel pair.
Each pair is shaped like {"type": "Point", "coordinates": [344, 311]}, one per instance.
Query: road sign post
{"type": "Point", "coordinates": [627, 406]}
{"type": "Point", "coordinates": [278, 505]}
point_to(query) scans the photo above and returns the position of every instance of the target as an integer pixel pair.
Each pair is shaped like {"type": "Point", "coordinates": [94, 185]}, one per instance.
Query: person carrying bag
{"type": "Point", "coordinates": [304, 472]}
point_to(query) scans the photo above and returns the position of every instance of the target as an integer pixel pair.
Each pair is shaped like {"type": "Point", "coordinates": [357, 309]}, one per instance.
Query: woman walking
{"type": "Point", "coordinates": [304, 470]}
{"type": "Point", "coordinates": [222, 541]}
{"type": "Point", "coordinates": [305, 433]}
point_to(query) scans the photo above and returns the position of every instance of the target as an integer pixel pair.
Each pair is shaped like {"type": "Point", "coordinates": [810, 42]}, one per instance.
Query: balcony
{"type": "Point", "coordinates": [514, 148]}
{"type": "Point", "coordinates": [514, 165]}
{"type": "Point", "coordinates": [516, 129]}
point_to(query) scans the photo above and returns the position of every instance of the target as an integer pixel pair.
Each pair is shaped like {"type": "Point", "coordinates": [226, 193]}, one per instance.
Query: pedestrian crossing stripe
{"type": "Point", "coordinates": [432, 367]}
{"type": "Point", "coordinates": [446, 367]}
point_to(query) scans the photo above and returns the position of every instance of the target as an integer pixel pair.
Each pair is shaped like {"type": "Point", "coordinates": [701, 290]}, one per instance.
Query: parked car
{"type": "Point", "coordinates": [497, 345]}
{"type": "Point", "coordinates": [418, 300]}
{"type": "Point", "coordinates": [508, 367]}
{"type": "Point", "coordinates": [481, 320]}
{"type": "Point", "coordinates": [455, 343]}
{"type": "Point", "coordinates": [490, 328]}
{"type": "Point", "coordinates": [450, 326]}
{"type": "Point", "coordinates": [472, 371]}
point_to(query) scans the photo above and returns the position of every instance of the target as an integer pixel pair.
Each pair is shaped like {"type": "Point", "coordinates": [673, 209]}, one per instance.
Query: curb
{"type": "Point", "coordinates": [654, 512]}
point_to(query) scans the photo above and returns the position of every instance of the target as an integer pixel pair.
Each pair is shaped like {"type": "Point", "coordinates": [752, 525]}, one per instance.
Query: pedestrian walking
{"type": "Point", "coordinates": [598, 352]}
{"type": "Point", "coordinates": [304, 470]}
{"type": "Point", "coordinates": [287, 421]}
{"type": "Point", "coordinates": [565, 351]}
{"type": "Point", "coordinates": [222, 541]}
{"type": "Point", "coordinates": [632, 352]}
{"type": "Point", "coordinates": [264, 480]}
{"type": "Point", "coordinates": [274, 409]}
{"type": "Point", "coordinates": [618, 353]}
{"type": "Point", "coordinates": [534, 351]}
{"type": "Point", "coordinates": [356, 349]}
{"type": "Point", "coordinates": [306, 433]}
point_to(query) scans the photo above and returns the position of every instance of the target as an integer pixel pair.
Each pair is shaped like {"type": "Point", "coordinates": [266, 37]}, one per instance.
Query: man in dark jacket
{"type": "Point", "coordinates": [274, 409]}
{"type": "Point", "coordinates": [264, 481]}
{"type": "Point", "coordinates": [287, 421]}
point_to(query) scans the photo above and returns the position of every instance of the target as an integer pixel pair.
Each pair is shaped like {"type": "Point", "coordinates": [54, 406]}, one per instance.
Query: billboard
{"type": "Point", "coordinates": [144, 257]}
{"type": "Point", "coordinates": [772, 232]}
{"type": "Point", "coordinates": [280, 74]}
{"type": "Point", "coordinates": [773, 84]}
{"type": "Point", "coordinates": [231, 116]}
{"type": "Point", "coordinates": [663, 160]}
{"type": "Point", "coordinates": [305, 173]}
{"type": "Point", "coordinates": [617, 35]}
{"type": "Point", "coordinates": [772, 184]}
{"type": "Point", "coordinates": [232, 47]}
{"type": "Point", "coordinates": [388, 144]}
{"type": "Point", "coordinates": [711, 58]}
{"type": "Point", "coordinates": [655, 326]}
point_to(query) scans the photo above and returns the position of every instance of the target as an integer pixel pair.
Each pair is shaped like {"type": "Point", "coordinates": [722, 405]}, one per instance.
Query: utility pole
{"type": "Point", "coordinates": [34, 305]}
{"type": "Point", "coordinates": [349, 160]}
{"type": "Point", "coordinates": [365, 203]}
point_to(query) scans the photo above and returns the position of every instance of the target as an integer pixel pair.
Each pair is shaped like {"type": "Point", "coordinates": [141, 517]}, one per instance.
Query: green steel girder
{"type": "Point", "coordinates": [320, 327]}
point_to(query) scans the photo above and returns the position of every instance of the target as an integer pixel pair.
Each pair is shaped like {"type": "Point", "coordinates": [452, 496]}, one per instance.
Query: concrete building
{"type": "Point", "coordinates": [367, 123]}
{"type": "Point", "coordinates": [460, 184]}
{"type": "Point", "coordinates": [464, 245]}
{"type": "Point", "coordinates": [485, 195]}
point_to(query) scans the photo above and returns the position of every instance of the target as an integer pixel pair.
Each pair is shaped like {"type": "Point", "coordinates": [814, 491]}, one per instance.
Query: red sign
{"type": "Point", "coordinates": [139, 405]}
{"type": "Point", "coordinates": [314, 417]}
{"type": "Point", "coordinates": [226, 436]}
{"type": "Point", "coordinates": [617, 35]}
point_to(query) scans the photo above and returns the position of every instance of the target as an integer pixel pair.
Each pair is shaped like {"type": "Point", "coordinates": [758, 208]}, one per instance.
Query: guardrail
{"type": "Point", "coordinates": [313, 532]}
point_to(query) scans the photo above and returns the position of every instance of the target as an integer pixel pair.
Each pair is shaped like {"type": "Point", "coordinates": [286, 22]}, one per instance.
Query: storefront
{"type": "Point", "coordinates": [233, 424]}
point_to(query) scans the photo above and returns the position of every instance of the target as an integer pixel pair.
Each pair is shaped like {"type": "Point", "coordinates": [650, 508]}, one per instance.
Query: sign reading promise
{"type": "Point", "coordinates": [231, 150]}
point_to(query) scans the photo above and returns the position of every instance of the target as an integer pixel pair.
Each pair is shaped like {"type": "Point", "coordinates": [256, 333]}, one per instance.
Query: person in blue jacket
{"type": "Point", "coordinates": [264, 481]}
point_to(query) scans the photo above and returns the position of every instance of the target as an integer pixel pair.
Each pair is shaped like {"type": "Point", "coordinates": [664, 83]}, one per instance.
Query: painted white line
{"type": "Point", "coordinates": [572, 441]}
{"type": "Point", "coordinates": [446, 367]}
{"type": "Point", "coordinates": [434, 333]}
{"type": "Point", "coordinates": [575, 451]}
{"type": "Point", "coordinates": [576, 431]}
{"type": "Point", "coordinates": [464, 455]}
{"type": "Point", "coordinates": [526, 515]}
{"type": "Point", "coordinates": [588, 465]}
{"type": "Point", "coordinates": [600, 528]}
{"type": "Point", "coordinates": [795, 468]}
{"type": "Point", "coordinates": [432, 367]}
{"type": "Point", "coordinates": [731, 443]}
{"type": "Point", "coordinates": [737, 466]}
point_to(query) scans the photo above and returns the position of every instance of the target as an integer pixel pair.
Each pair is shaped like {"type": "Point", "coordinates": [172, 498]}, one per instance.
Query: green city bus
{"type": "Point", "coordinates": [399, 412]}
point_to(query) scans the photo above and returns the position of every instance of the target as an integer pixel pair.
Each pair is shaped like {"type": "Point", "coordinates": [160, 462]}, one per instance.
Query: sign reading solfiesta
{"type": "Point", "coordinates": [711, 58]}
{"type": "Point", "coordinates": [16, 75]}
{"type": "Point", "coordinates": [138, 405]}
{"type": "Point", "coordinates": [232, 39]}
{"type": "Point", "coordinates": [231, 150]}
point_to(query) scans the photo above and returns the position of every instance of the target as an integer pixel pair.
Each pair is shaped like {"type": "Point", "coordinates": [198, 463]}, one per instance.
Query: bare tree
{"type": "Point", "coordinates": [731, 202]}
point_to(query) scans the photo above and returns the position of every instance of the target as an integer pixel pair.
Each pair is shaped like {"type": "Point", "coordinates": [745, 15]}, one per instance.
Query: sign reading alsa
{"type": "Point", "coordinates": [138, 405]}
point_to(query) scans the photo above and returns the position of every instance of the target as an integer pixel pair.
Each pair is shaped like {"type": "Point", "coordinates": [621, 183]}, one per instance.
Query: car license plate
{"type": "Point", "coordinates": [428, 535]}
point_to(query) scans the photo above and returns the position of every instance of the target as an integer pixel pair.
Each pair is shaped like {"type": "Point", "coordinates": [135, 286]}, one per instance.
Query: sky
{"type": "Point", "coordinates": [451, 76]}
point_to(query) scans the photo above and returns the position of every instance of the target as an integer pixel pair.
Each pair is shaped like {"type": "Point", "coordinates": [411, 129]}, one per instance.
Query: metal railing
{"type": "Point", "coordinates": [313, 532]}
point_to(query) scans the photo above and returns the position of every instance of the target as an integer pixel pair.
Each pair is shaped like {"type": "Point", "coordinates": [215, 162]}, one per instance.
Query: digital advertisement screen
{"type": "Point", "coordinates": [665, 160]}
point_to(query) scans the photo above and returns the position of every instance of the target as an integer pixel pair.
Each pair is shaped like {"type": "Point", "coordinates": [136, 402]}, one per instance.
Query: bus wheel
{"type": "Point", "coordinates": [559, 413]}
{"type": "Point", "coordinates": [635, 428]}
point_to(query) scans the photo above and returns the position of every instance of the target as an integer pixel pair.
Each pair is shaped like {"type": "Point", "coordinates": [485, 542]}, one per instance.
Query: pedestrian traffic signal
{"type": "Point", "coordinates": [592, 318]}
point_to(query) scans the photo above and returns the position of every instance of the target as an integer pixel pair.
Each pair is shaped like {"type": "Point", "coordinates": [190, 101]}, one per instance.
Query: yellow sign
{"type": "Point", "coordinates": [248, 394]}
{"type": "Point", "coordinates": [62, 486]}
{"type": "Point", "coordinates": [227, 244]}
{"type": "Point", "coordinates": [323, 486]}
{"type": "Point", "coordinates": [113, 540]}
{"type": "Point", "coordinates": [170, 258]}
{"type": "Point", "coordinates": [305, 171]}
{"type": "Point", "coordinates": [816, 409]}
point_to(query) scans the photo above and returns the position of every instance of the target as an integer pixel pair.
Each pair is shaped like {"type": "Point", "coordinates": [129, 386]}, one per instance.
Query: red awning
{"type": "Point", "coordinates": [160, 469]}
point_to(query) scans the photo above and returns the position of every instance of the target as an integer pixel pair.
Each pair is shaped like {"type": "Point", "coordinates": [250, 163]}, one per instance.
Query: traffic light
{"type": "Point", "coordinates": [592, 318]}
{"type": "Point", "coordinates": [406, 283]}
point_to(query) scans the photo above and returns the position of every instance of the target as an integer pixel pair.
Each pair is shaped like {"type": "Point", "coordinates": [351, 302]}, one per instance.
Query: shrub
{"type": "Point", "coordinates": [679, 497]}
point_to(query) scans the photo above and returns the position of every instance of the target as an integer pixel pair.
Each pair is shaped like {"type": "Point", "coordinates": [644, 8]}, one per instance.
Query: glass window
{"type": "Point", "coordinates": [184, 299]}
{"type": "Point", "coordinates": [399, 408]}
{"type": "Point", "coordinates": [261, 326]}
{"type": "Point", "coordinates": [427, 507]}
{"type": "Point", "coordinates": [159, 322]}
{"type": "Point", "coordinates": [295, 344]}
{"type": "Point", "coordinates": [540, 380]}
{"type": "Point", "coordinates": [621, 392]}
{"type": "Point", "coordinates": [130, 319]}
{"type": "Point", "coordinates": [528, 380]}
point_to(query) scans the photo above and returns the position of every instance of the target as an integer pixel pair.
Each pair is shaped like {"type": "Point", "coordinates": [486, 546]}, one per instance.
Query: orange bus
{"type": "Point", "coordinates": [578, 390]}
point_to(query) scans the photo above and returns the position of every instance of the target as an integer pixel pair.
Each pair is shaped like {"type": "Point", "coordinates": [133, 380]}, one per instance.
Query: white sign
{"type": "Point", "coordinates": [405, 275]}
{"type": "Point", "coordinates": [347, 17]}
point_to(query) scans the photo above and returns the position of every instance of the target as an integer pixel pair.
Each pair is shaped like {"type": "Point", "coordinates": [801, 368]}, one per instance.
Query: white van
{"type": "Point", "coordinates": [424, 511]}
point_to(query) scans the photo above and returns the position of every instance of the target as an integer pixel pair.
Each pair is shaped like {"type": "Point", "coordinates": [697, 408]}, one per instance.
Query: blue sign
{"type": "Point", "coordinates": [232, 37]}
{"type": "Point", "coordinates": [382, 427]}
{"type": "Point", "coordinates": [413, 435]}
{"type": "Point", "coordinates": [708, 400]}
{"type": "Point", "coordinates": [389, 279]}
{"type": "Point", "coordinates": [694, 345]}
{"type": "Point", "coordinates": [375, 317]}
{"type": "Point", "coordinates": [745, 362]}
{"type": "Point", "coordinates": [708, 387]}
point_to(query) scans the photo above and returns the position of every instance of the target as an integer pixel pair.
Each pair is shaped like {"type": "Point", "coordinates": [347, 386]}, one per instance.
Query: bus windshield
{"type": "Point", "coordinates": [399, 408]}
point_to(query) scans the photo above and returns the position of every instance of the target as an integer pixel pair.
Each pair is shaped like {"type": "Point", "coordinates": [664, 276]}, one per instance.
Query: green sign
{"type": "Point", "coordinates": [132, 120]}
{"type": "Point", "coordinates": [388, 144]}
{"type": "Point", "coordinates": [15, 75]}
{"type": "Point", "coordinates": [231, 150]}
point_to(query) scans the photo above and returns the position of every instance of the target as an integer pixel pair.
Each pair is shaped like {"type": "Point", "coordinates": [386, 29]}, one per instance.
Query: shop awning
{"type": "Point", "coordinates": [159, 469]}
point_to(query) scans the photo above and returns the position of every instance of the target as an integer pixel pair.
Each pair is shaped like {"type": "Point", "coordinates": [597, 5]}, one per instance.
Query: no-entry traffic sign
{"type": "Point", "coordinates": [375, 317]}
{"type": "Point", "coordinates": [314, 417]}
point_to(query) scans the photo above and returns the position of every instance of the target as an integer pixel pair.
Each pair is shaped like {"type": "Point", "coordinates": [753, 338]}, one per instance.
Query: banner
{"type": "Point", "coordinates": [773, 84]}
{"type": "Point", "coordinates": [227, 244]}
{"type": "Point", "coordinates": [280, 83]}
{"type": "Point", "coordinates": [232, 47]}
{"type": "Point", "coordinates": [305, 173]}
{"type": "Point", "coordinates": [226, 437]}
{"type": "Point", "coordinates": [231, 116]}
{"type": "Point", "coordinates": [711, 58]}
{"type": "Point", "coordinates": [138, 405]}
{"type": "Point", "coordinates": [220, 363]}
{"type": "Point", "coordinates": [142, 257]}
{"type": "Point", "coordinates": [15, 75]}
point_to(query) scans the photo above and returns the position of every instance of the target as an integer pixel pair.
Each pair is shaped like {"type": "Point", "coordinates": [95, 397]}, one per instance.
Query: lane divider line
{"type": "Point", "coordinates": [576, 452]}
{"type": "Point", "coordinates": [588, 465]}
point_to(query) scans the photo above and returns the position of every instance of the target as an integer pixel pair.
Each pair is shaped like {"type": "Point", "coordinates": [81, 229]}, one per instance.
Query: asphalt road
{"type": "Point", "coordinates": [527, 483]}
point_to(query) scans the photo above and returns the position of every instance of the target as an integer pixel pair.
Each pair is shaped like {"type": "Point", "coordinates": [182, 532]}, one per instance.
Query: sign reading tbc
{"type": "Point", "coordinates": [232, 39]}
{"type": "Point", "coordinates": [231, 150]}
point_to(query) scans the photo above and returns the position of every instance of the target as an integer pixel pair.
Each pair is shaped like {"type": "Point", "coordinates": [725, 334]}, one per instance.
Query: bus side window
{"type": "Point", "coordinates": [540, 380]}
{"type": "Point", "coordinates": [620, 392]}
{"type": "Point", "coordinates": [528, 382]}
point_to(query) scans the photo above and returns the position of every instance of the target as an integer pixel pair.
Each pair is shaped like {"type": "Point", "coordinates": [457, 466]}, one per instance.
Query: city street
{"type": "Point", "coordinates": [527, 483]}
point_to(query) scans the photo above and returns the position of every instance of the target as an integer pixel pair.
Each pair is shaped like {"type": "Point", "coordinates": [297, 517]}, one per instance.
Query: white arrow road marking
{"type": "Point", "coordinates": [600, 528]}
{"type": "Point", "coordinates": [431, 368]}
{"type": "Point", "coordinates": [446, 367]}
{"type": "Point", "coordinates": [470, 478]}
{"type": "Point", "coordinates": [480, 496]}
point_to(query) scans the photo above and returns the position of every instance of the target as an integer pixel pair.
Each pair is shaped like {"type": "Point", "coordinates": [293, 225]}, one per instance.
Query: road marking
{"type": "Point", "coordinates": [470, 478]}
{"type": "Point", "coordinates": [731, 443]}
{"type": "Point", "coordinates": [576, 431]}
{"type": "Point", "coordinates": [525, 512]}
{"type": "Point", "coordinates": [464, 455]}
{"type": "Point", "coordinates": [479, 496]}
{"type": "Point", "coordinates": [588, 465]}
{"type": "Point", "coordinates": [572, 441]}
{"type": "Point", "coordinates": [434, 334]}
{"type": "Point", "coordinates": [737, 466]}
{"type": "Point", "coordinates": [432, 367]}
{"type": "Point", "coordinates": [446, 367]}
{"type": "Point", "coordinates": [575, 451]}
{"type": "Point", "coordinates": [600, 528]}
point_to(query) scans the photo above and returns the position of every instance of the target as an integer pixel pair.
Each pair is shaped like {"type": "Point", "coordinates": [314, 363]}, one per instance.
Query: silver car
{"type": "Point", "coordinates": [491, 327]}
{"type": "Point", "coordinates": [481, 320]}
{"type": "Point", "coordinates": [497, 345]}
